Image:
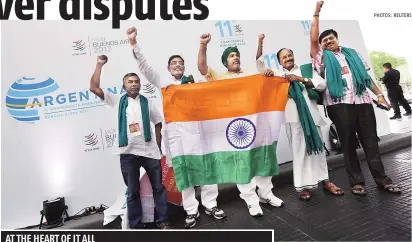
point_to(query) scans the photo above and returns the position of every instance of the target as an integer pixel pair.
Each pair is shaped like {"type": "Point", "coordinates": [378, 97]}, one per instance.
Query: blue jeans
{"type": "Point", "coordinates": [130, 167]}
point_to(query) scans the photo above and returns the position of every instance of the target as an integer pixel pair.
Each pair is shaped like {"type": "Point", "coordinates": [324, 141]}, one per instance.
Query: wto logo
{"type": "Point", "coordinates": [148, 88]}
{"type": "Point", "coordinates": [97, 45]}
{"type": "Point", "coordinates": [22, 98]}
{"type": "Point", "coordinates": [92, 143]}
{"type": "Point", "coordinates": [91, 139]}
{"type": "Point", "coordinates": [231, 33]}
{"type": "Point", "coordinates": [98, 142]}
{"type": "Point", "coordinates": [306, 26]}
{"type": "Point", "coordinates": [79, 47]}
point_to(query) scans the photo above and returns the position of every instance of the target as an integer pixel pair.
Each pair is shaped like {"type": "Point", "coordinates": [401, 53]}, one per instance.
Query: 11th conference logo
{"type": "Point", "coordinates": [31, 99]}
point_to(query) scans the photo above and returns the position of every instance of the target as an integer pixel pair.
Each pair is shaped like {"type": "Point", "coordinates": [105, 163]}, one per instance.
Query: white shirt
{"type": "Point", "coordinates": [136, 143]}
{"type": "Point", "coordinates": [148, 72]}
{"type": "Point", "coordinates": [154, 78]}
{"type": "Point", "coordinates": [291, 111]}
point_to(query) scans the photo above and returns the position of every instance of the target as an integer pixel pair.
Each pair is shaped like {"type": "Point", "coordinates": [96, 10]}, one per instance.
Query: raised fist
{"type": "Point", "coordinates": [102, 59]}
{"type": "Point", "coordinates": [261, 37]}
{"type": "Point", "coordinates": [319, 5]}
{"type": "Point", "coordinates": [131, 33]}
{"type": "Point", "coordinates": [205, 38]}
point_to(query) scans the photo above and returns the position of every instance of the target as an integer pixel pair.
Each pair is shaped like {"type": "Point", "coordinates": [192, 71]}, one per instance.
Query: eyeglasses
{"type": "Point", "coordinates": [174, 63]}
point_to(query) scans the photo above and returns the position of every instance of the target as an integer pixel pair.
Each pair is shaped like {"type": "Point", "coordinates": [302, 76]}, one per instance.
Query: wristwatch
{"type": "Point", "coordinates": [305, 80]}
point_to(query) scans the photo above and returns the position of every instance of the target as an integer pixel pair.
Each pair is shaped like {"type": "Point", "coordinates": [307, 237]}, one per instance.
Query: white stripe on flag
{"type": "Point", "coordinates": [189, 138]}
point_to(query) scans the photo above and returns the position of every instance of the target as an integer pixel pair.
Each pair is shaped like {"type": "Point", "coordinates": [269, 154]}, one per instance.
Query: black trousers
{"type": "Point", "coordinates": [396, 97]}
{"type": "Point", "coordinates": [349, 120]}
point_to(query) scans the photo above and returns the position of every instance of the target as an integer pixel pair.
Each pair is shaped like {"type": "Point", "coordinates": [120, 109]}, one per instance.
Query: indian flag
{"type": "Point", "coordinates": [224, 131]}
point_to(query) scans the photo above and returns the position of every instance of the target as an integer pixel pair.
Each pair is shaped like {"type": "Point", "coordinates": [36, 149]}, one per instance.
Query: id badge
{"type": "Point", "coordinates": [134, 129]}
{"type": "Point", "coordinates": [345, 70]}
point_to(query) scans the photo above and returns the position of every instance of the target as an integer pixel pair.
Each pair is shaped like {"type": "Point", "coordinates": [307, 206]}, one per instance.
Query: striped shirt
{"type": "Point", "coordinates": [349, 93]}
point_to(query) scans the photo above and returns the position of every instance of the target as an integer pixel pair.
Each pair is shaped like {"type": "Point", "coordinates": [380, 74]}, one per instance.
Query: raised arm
{"type": "Point", "coordinates": [260, 62]}
{"type": "Point", "coordinates": [95, 80]}
{"type": "Point", "coordinates": [147, 70]}
{"type": "Point", "coordinates": [201, 60]}
{"type": "Point", "coordinates": [259, 52]}
{"type": "Point", "coordinates": [314, 31]}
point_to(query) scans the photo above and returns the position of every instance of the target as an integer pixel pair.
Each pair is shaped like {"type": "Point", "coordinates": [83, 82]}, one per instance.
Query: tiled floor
{"type": "Point", "coordinates": [379, 216]}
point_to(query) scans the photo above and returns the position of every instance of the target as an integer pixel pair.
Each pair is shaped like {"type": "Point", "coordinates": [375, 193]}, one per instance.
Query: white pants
{"type": "Point", "coordinates": [208, 195]}
{"type": "Point", "coordinates": [248, 191]}
{"type": "Point", "coordinates": [308, 170]}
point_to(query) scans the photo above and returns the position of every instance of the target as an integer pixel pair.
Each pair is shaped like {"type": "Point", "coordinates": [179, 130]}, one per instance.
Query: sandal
{"type": "Point", "coordinates": [304, 195]}
{"type": "Point", "coordinates": [358, 190]}
{"type": "Point", "coordinates": [391, 188]}
{"type": "Point", "coordinates": [333, 189]}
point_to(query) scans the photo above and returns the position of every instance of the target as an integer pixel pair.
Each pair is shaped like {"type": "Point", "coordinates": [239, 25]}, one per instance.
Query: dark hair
{"type": "Point", "coordinates": [278, 54]}
{"type": "Point", "coordinates": [387, 65]}
{"type": "Point", "coordinates": [129, 75]}
{"type": "Point", "coordinates": [174, 56]}
{"type": "Point", "coordinates": [326, 33]}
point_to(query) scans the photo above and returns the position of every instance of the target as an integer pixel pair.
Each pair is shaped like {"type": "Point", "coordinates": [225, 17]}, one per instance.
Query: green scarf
{"type": "Point", "coordinates": [312, 139]}
{"type": "Point", "coordinates": [307, 72]}
{"type": "Point", "coordinates": [187, 79]}
{"type": "Point", "coordinates": [227, 52]}
{"type": "Point", "coordinates": [334, 80]}
{"type": "Point", "coordinates": [144, 106]}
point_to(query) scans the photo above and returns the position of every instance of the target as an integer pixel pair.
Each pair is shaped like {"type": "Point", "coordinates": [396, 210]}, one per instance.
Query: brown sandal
{"type": "Point", "coordinates": [304, 195]}
{"type": "Point", "coordinates": [333, 189]}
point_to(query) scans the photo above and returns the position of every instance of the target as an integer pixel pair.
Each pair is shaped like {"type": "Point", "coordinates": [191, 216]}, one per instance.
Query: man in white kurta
{"type": "Point", "coordinates": [308, 170]}
{"type": "Point", "coordinates": [231, 60]}
{"type": "Point", "coordinates": [176, 68]}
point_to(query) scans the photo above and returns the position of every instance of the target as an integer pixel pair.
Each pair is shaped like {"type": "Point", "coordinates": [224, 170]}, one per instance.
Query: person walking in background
{"type": "Point", "coordinates": [395, 93]}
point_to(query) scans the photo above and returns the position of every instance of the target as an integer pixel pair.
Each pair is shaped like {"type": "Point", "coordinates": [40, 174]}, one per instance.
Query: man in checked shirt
{"type": "Point", "coordinates": [349, 104]}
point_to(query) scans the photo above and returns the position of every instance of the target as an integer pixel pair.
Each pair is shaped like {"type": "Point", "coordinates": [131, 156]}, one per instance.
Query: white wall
{"type": "Point", "coordinates": [47, 159]}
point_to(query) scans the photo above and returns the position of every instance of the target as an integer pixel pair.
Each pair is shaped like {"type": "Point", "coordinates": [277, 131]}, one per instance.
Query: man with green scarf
{"type": "Point", "coordinates": [231, 60]}
{"type": "Point", "coordinates": [137, 144]}
{"type": "Point", "coordinates": [303, 123]}
{"type": "Point", "coordinates": [176, 68]}
{"type": "Point", "coordinates": [349, 104]}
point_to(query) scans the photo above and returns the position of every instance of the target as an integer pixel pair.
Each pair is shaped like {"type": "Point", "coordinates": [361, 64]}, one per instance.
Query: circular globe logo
{"type": "Point", "coordinates": [21, 95]}
{"type": "Point", "coordinates": [240, 133]}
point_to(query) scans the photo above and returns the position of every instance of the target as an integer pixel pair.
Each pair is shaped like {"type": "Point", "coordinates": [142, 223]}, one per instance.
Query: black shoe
{"type": "Point", "coordinates": [396, 117]}
{"type": "Point", "coordinates": [139, 226]}
{"type": "Point", "coordinates": [163, 225]}
{"type": "Point", "coordinates": [407, 113]}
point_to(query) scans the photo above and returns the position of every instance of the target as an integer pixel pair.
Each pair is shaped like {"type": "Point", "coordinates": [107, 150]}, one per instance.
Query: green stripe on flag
{"type": "Point", "coordinates": [237, 167]}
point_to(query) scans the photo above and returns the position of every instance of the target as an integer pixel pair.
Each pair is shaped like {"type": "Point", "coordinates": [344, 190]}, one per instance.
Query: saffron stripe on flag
{"type": "Point", "coordinates": [224, 98]}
